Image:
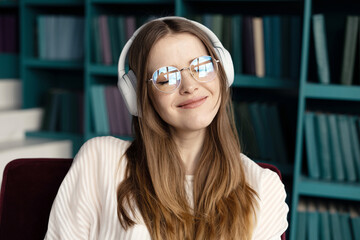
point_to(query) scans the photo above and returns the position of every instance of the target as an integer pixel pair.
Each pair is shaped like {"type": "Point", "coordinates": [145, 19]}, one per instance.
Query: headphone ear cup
{"type": "Point", "coordinates": [127, 87]}
{"type": "Point", "coordinates": [227, 63]}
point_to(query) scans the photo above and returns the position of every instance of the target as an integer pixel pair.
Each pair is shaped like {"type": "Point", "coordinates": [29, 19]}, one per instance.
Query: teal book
{"type": "Point", "coordinates": [236, 43]}
{"type": "Point", "coordinates": [301, 226]}
{"type": "Point", "coordinates": [277, 45]}
{"type": "Point", "coordinates": [345, 225]}
{"type": "Point", "coordinates": [348, 63]}
{"type": "Point", "coordinates": [345, 146]}
{"type": "Point", "coordinates": [335, 148]}
{"type": "Point", "coordinates": [121, 31]}
{"type": "Point", "coordinates": [96, 41]}
{"type": "Point", "coordinates": [114, 38]}
{"type": "Point", "coordinates": [259, 128]}
{"type": "Point", "coordinates": [217, 25]}
{"type": "Point", "coordinates": [355, 222]}
{"type": "Point", "coordinates": [277, 133]}
{"type": "Point", "coordinates": [321, 52]}
{"type": "Point", "coordinates": [286, 50]}
{"type": "Point", "coordinates": [313, 227]}
{"type": "Point", "coordinates": [311, 146]}
{"type": "Point", "coordinates": [322, 136]}
{"type": "Point", "coordinates": [246, 130]}
{"type": "Point", "coordinates": [99, 110]}
{"type": "Point", "coordinates": [269, 137]}
{"type": "Point", "coordinates": [295, 46]}
{"type": "Point", "coordinates": [355, 142]}
{"type": "Point", "coordinates": [336, 229]}
{"type": "Point", "coordinates": [41, 36]}
{"type": "Point", "coordinates": [325, 233]}
{"type": "Point", "coordinates": [268, 49]}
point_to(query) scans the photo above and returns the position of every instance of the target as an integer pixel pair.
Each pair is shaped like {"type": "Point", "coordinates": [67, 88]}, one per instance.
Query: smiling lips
{"type": "Point", "coordinates": [192, 103]}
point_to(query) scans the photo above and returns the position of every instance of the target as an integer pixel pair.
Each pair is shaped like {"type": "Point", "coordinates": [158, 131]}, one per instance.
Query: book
{"type": "Point", "coordinates": [348, 62]}
{"type": "Point", "coordinates": [236, 43]}
{"type": "Point", "coordinates": [345, 146]}
{"type": "Point", "coordinates": [269, 137]}
{"type": "Point", "coordinates": [258, 32]}
{"type": "Point", "coordinates": [101, 122]}
{"type": "Point", "coordinates": [105, 40]}
{"type": "Point", "coordinates": [313, 227]}
{"type": "Point", "coordinates": [268, 46]}
{"type": "Point", "coordinates": [111, 109]}
{"type": "Point", "coordinates": [321, 52]}
{"type": "Point", "coordinates": [325, 232]}
{"type": "Point", "coordinates": [336, 230]}
{"type": "Point", "coordinates": [301, 226]}
{"type": "Point", "coordinates": [217, 25]}
{"type": "Point", "coordinates": [344, 217]}
{"type": "Point", "coordinates": [114, 38]}
{"type": "Point", "coordinates": [248, 46]}
{"type": "Point", "coordinates": [322, 136]}
{"type": "Point", "coordinates": [335, 151]}
{"type": "Point", "coordinates": [355, 222]}
{"type": "Point", "coordinates": [311, 146]}
{"type": "Point", "coordinates": [355, 142]}
{"type": "Point", "coordinates": [277, 45]}
{"type": "Point", "coordinates": [295, 46]}
{"type": "Point", "coordinates": [286, 50]}
{"type": "Point", "coordinates": [259, 129]}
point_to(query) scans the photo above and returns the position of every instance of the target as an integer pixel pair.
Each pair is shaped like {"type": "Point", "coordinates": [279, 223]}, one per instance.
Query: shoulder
{"type": "Point", "coordinates": [273, 210]}
{"type": "Point", "coordinates": [100, 144]}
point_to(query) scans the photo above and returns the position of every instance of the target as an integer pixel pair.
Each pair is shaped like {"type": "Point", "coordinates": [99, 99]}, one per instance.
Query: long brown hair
{"type": "Point", "coordinates": [224, 203]}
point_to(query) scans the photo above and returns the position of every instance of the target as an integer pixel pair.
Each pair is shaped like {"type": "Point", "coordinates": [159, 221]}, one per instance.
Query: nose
{"type": "Point", "coordinates": [188, 82]}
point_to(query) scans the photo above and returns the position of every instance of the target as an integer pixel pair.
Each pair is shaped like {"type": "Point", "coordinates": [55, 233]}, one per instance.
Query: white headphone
{"type": "Point", "coordinates": [127, 81]}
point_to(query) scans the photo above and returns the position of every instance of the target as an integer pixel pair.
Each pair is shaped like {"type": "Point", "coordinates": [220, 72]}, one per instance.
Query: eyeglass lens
{"type": "Point", "coordinates": [167, 79]}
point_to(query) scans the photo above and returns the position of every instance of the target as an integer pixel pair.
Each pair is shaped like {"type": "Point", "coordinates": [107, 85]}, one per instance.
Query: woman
{"type": "Point", "coordinates": [183, 176]}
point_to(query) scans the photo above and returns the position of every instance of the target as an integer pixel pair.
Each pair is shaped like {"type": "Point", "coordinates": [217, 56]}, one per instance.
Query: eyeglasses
{"type": "Point", "coordinates": [167, 79]}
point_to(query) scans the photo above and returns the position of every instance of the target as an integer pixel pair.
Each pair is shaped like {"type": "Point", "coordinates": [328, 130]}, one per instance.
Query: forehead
{"type": "Point", "coordinates": [175, 50]}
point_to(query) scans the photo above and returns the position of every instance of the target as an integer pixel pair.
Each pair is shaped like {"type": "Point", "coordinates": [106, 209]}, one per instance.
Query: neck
{"type": "Point", "coordinates": [190, 145]}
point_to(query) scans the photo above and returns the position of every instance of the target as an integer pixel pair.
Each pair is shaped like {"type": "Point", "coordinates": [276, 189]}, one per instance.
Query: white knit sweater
{"type": "Point", "coordinates": [86, 206]}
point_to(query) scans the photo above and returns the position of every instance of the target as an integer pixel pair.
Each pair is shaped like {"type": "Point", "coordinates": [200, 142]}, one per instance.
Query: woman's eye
{"type": "Point", "coordinates": [163, 82]}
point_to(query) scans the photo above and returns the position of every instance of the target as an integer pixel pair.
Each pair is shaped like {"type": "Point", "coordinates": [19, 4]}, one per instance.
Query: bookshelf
{"type": "Point", "coordinates": [319, 98]}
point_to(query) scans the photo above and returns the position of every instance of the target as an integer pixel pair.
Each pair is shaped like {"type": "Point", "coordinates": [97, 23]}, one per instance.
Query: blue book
{"type": "Point", "coordinates": [321, 52]}
{"type": "Point", "coordinates": [335, 151]}
{"type": "Point", "coordinates": [311, 146]}
{"type": "Point", "coordinates": [322, 137]}
{"type": "Point", "coordinates": [345, 146]}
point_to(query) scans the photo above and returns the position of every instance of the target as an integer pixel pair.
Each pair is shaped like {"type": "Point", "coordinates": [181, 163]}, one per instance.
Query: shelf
{"type": "Point", "coordinates": [264, 82]}
{"type": "Point", "coordinates": [327, 189]}
{"type": "Point", "coordinates": [9, 63]}
{"type": "Point", "coordinates": [103, 70]}
{"type": "Point", "coordinates": [336, 92]}
{"type": "Point", "coordinates": [92, 135]}
{"type": "Point", "coordinates": [132, 1]}
{"type": "Point", "coordinates": [63, 3]}
{"type": "Point", "coordinates": [69, 65]}
{"type": "Point", "coordinates": [9, 4]}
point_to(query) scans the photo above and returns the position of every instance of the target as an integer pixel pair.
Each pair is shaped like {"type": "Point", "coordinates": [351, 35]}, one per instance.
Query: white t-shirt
{"type": "Point", "coordinates": [86, 204]}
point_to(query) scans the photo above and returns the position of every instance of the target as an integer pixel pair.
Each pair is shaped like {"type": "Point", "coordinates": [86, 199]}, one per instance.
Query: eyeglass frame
{"type": "Point", "coordinates": [180, 70]}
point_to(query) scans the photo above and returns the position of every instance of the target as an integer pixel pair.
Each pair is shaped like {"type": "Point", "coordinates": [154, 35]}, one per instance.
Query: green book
{"type": "Point", "coordinates": [313, 221]}
{"type": "Point", "coordinates": [348, 63]}
{"type": "Point", "coordinates": [236, 43]}
{"type": "Point", "coordinates": [355, 142]}
{"type": "Point", "coordinates": [335, 148]}
{"type": "Point", "coordinates": [246, 130]}
{"type": "Point", "coordinates": [277, 133]}
{"type": "Point", "coordinates": [99, 109]}
{"type": "Point", "coordinates": [322, 136]}
{"type": "Point", "coordinates": [325, 233]}
{"type": "Point", "coordinates": [345, 225]}
{"type": "Point", "coordinates": [301, 221]}
{"type": "Point", "coordinates": [321, 53]}
{"type": "Point", "coordinates": [336, 230]}
{"type": "Point", "coordinates": [311, 146]}
{"type": "Point", "coordinates": [345, 146]}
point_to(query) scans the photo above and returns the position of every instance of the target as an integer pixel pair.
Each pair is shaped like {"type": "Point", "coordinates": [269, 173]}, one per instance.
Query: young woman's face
{"type": "Point", "coordinates": [193, 105]}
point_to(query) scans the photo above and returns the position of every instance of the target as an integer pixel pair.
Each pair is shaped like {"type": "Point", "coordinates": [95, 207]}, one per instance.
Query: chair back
{"type": "Point", "coordinates": [28, 190]}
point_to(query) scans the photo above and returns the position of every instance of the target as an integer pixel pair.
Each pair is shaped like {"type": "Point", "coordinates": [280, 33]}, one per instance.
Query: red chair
{"type": "Point", "coordinates": [28, 190]}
